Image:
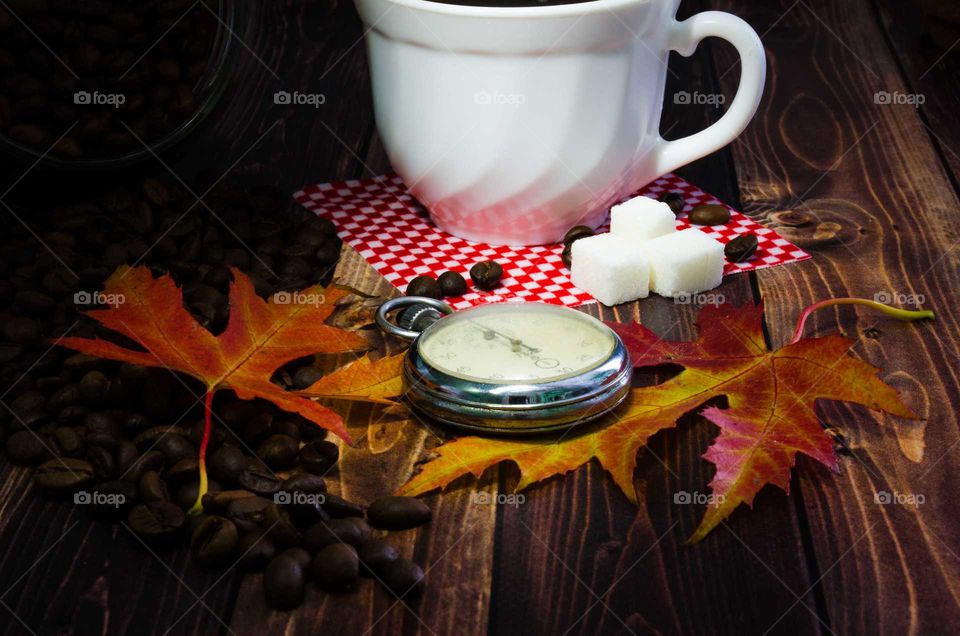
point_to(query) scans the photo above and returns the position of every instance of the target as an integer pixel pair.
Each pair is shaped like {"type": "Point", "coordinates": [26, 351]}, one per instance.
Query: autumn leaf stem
{"type": "Point", "coordinates": [197, 507]}
{"type": "Point", "coordinates": [893, 312]}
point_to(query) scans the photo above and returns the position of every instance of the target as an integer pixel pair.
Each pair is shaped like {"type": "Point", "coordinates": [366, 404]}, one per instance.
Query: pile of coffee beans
{"type": "Point", "coordinates": [123, 440]}
{"type": "Point", "coordinates": [115, 74]}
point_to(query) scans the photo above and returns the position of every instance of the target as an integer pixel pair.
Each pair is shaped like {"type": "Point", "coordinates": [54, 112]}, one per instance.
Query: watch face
{"type": "Point", "coordinates": [511, 343]}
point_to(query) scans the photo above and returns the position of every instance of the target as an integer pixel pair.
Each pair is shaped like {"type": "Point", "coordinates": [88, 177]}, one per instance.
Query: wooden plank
{"type": "Point", "coordinates": [830, 150]}
{"type": "Point", "coordinates": [578, 556]}
{"type": "Point", "coordinates": [929, 66]}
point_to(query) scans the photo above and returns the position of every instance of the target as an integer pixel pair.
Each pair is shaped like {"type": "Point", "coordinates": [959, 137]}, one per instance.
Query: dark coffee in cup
{"type": "Point", "coordinates": [510, 3]}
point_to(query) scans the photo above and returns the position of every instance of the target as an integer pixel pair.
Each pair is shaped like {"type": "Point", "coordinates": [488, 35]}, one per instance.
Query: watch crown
{"type": "Point", "coordinates": [418, 317]}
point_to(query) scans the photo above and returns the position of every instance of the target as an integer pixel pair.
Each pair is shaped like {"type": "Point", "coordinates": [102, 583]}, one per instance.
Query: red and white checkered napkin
{"type": "Point", "coordinates": [393, 232]}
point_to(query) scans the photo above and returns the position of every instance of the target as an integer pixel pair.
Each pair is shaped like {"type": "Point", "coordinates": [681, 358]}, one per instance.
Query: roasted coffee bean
{"type": "Point", "coordinates": [25, 448]}
{"type": "Point", "coordinates": [135, 422]}
{"type": "Point", "coordinates": [327, 254]}
{"type": "Point", "coordinates": [307, 510]}
{"type": "Point", "coordinates": [101, 459]}
{"type": "Point", "coordinates": [249, 513]}
{"type": "Point", "coordinates": [304, 483]}
{"type": "Point", "coordinates": [322, 225]}
{"type": "Point", "coordinates": [226, 464]}
{"type": "Point", "coordinates": [255, 549]}
{"type": "Point", "coordinates": [152, 487]}
{"type": "Point", "coordinates": [66, 442]}
{"type": "Point", "coordinates": [185, 470]}
{"type": "Point", "coordinates": [351, 530]}
{"type": "Point", "coordinates": [21, 330]}
{"type": "Point", "coordinates": [187, 494]}
{"type": "Point", "coordinates": [157, 521]}
{"type": "Point", "coordinates": [299, 555]}
{"type": "Point", "coordinates": [214, 541]}
{"type": "Point", "coordinates": [150, 438]}
{"type": "Point", "coordinates": [156, 193]}
{"type": "Point", "coordinates": [104, 424]}
{"type": "Point", "coordinates": [255, 429]}
{"type": "Point", "coordinates": [335, 568]}
{"type": "Point", "coordinates": [319, 456]}
{"type": "Point", "coordinates": [280, 526]}
{"type": "Point", "coordinates": [339, 508]}
{"type": "Point", "coordinates": [63, 397]}
{"type": "Point", "coordinates": [566, 256]}
{"type": "Point", "coordinates": [283, 582]}
{"type": "Point", "coordinates": [278, 451]}
{"type": "Point", "coordinates": [486, 275]}
{"type": "Point", "coordinates": [403, 578]}
{"type": "Point", "coordinates": [151, 460]}
{"type": "Point", "coordinates": [219, 502]}
{"type": "Point", "coordinates": [305, 376]}
{"type": "Point", "coordinates": [124, 457]}
{"type": "Point", "coordinates": [674, 200]}
{"type": "Point", "coordinates": [424, 286]}
{"type": "Point", "coordinates": [64, 475]}
{"type": "Point", "coordinates": [375, 555]}
{"type": "Point", "coordinates": [286, 427]}
{"type": "Point", "coordinates": [260, 480]}
{"type": "Point", "coordinates": [709, 214]}
{"type": "Point", "coordinates": [398, 513]}
{"type": "Point", "coordinates": [741, 248]}
{"type": "Point", "coordinates": [452, 284]}
{"type": "Point", "coordinates": [576, 233]}
{"type": "Point", "coordinates": [175, 448]}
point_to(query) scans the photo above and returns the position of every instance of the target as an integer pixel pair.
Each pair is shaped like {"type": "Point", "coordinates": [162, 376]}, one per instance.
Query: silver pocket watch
{"type": "Point", "coordinates": [508, 368]}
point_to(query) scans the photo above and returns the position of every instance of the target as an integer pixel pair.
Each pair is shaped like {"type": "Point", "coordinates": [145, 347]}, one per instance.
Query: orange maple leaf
{"type": "Point", "coordinates": [364, 379]}
{"type": "Point", "coordinates": [260, 337]}
{"type": "Point", "coordinates": [770, 415]}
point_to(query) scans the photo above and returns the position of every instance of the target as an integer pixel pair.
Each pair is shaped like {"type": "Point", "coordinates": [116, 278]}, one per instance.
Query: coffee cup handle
{"type": "Point", "coordinates": [684, 38]}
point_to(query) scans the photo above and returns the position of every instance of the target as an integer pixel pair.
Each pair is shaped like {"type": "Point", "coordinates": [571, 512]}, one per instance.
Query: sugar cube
{"type": "Point", "coordinates": [610, 268]}
{"type": "Point", "coordinates": [641, 218]}
{"type": "Point", "coordinates": [688, 262]}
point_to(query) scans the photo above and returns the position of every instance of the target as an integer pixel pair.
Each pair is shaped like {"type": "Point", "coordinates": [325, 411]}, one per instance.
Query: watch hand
{"type": "Point", "coordinates": [515, 343]}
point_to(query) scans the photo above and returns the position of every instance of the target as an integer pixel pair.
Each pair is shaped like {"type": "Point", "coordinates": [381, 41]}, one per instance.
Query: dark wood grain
{"type": "Point", "coordinates": [828, 149]}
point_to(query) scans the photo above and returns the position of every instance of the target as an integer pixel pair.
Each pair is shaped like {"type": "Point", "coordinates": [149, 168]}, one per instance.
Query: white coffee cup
{"type": "Point", "coordinates": [513, 124]}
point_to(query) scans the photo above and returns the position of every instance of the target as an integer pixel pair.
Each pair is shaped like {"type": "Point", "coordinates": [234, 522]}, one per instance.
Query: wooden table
{"type": "Point", "coordinates": [577, 557]}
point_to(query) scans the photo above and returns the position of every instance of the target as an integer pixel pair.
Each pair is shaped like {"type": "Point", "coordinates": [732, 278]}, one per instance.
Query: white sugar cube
{"type": "Point", "coordinates": [688, 262]}
{"type": "Point", "coordinates": [641, 218]}
{"type": "Point", "coordinates": [610, 268]}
